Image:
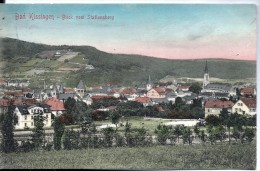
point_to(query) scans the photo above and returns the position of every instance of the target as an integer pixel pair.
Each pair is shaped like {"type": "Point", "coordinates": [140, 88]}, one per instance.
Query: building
{"type": "Point", "coordinates": [215, 87]}
{"type": "Point", "coordinates": [149, 84]}
{"type": "Point", "coordinates": [56, 106]}
{"type": "Point", "coordinates": [156, 93]}
{"type": "Point", "coordinates": [146, 101]}
{"type": "Point", "coordinates": [25, 115]}
{"type": "Point", "coordinates": [206, 76]}
{"type": "Point", "coordinates": [81, 87]}
{"type": "Point", "coordinates": [247, 91]}
{"type": "Point", "coordinates": [214, 107]}
{"type": "Point", "coordinates": [245, 106]}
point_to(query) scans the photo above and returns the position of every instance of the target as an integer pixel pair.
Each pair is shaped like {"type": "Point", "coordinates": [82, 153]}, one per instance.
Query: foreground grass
{"type": "Point", "coordinates": [237, 156]}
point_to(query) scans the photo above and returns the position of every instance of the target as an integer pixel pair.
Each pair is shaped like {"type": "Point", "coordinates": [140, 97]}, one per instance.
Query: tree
{"type": "Point", "coordinates": [220, 133]}
{"type": "Point", "coordinates": [115, 116]}
{"type": "Point", "coordinates": [212, 120]}
{"type": "Point", "coordinates": [7, 128]}
{"type": "Point", "coordinates": [38, 131]}
{"type": "Point", "coordinates": [178, 131]}
{"type": "Point", "coordinates": [196, 130]}
{"type": "Point", "coordinates": [226, 119]}
{"type": "Point", "coordinates": [195, 88]}
{"type": "Point", "coordinates": [70, 105]}
{"type": "Point", "coordinates": [249, 134]}
{"type": "Point", "coordinates": [109, 134]}
{"type": "Point", "coordinates": [58, 127]}
{"type": "Point", "coordinates": [162, 132]}
{"type": "Point", "coordinates": [178, 102]}
{"type": "Point", "coordinates": [202, 136]}
{"type": "Point", "coordinates": [186, 135]}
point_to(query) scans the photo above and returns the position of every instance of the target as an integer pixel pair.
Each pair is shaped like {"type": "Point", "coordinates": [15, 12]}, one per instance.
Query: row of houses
{"type": "Point", "coordinates": [244, 106]}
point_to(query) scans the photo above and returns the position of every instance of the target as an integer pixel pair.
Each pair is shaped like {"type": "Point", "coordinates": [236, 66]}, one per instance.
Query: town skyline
{"type": "Point", "coordinates": [194, 31]}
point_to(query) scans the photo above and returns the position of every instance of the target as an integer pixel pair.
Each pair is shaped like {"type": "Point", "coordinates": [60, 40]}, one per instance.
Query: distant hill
{"type": "Point", "coordinates": [130, 69]}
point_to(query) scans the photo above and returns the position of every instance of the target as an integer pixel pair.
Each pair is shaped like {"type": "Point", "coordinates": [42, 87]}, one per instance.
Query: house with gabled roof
{"type": "Point", "coordinates": [247, 91]}
{"type": "Point", "coordinates": [25, 115]}
{"type": "Point", "coordinates": [156, 93]}
{"type": "Point", "coordinates": [56, 106]}
{"type": "Point", "coordinates": [146, 101]}
{"type": "Point", "coordinates": [245, 106]}
{"type": "Point", "coordinates": [214, 107]}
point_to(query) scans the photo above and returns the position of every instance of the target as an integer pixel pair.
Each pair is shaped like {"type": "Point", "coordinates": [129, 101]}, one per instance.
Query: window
{"type": "Point", "coordinates": [25, 124]}
{"type": "Point", "coordinates": [31, 117]}
{"type": "Point", "coordinates": [46, 116]}
{"type": "Point", "coordinates": [25, 117]}
{"type": "Point", "coordinates": [31, 123]}
{"type": "Point", "coordinates": [236, 109]}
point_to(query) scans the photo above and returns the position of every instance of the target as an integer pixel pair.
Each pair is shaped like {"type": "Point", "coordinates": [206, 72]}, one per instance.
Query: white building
{"type": "Point", "coordinates": [245, 106]}
{"type": "Point", "coordinates": [25, 115]}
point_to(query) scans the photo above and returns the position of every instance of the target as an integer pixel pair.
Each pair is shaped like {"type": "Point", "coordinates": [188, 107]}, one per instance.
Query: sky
{"type": "Point", "coordinates": [174, 31]}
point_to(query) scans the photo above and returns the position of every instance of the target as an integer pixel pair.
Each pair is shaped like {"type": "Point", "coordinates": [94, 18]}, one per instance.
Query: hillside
{"type": "Point", "coordinates": [20, 56]}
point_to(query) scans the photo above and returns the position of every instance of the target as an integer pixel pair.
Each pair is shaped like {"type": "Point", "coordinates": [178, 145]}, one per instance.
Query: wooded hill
{"type": "Point", "coordinates": [128, 69]}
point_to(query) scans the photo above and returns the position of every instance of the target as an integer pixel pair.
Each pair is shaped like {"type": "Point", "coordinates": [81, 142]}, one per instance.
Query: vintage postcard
{"type": "Point", "coordinates": [128, 86]}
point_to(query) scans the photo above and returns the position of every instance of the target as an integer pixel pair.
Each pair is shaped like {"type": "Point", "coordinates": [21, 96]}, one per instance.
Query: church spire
{"type": "Point", "coordinates": [149, 84]}
{"type": "Point", "coordinates": [206, 76]}
{"type": "Point", "coordinates": [206, 68]}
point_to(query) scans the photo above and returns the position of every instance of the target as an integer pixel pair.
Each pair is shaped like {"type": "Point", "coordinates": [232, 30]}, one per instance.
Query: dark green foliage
{"type": "Point", "coordinates": [7, 128]}
{"type": "Point", "coordinates": [77, 109]}
{"type": "Point", "coordinates": [58, 127]}
{"type": "Point", "coordinates": [162, 133]}
{"type": "Point", "coordinates": [212, 120]}
{"type": "Point", "coordinates": [249, 134]}
{"type": "Point", "coordinates": [26, 146]}
{"type": "Point", "coordinates": [178, 131]}
{"type": "Point", "coordinates": [115, 116]}
{"type": "Point", "coordinates": [195, 88]}
{"type": "Point", "coordinates": [236, 133]}
{"type": "Point", "coordinates": [70, 139]}
{"type": "Point", "coordinates": [202, 136]}
{"type": "Point", "coordinates": [109, 134]}
{"type": "Point", "coordinates": [123, 69]}
{"type": "Point", "coordinates": [38, 132]}
{"type": "Point", "coordinates": [187, 135]}
{"type": "Point", "coordinates": [104, 103]}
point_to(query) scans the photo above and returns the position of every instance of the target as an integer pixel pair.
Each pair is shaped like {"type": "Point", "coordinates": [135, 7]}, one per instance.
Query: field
{"type": "Point", "coordinates": [236, 156]}
{"type": "Point", "coordinates": [137, 122]}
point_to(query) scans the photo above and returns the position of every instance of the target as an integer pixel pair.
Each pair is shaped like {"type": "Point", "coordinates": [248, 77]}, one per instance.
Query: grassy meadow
{"type": "Point", "coordinates": [235, 156]}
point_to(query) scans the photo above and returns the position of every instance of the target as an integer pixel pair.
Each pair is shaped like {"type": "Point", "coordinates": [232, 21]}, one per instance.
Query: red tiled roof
{"type": "Point", "coordinates": [128, 91]}
{"type": "Point", "coordinates": [115, 90]}
{"type": "Point", "coordinates": [101, 97]}
{"type": "Point", "coordinates": [142, 99]}
{"type": "Point", "coordinates": [250, 102]}
{"type": "Point", "coordinates": [67, 90]}
{"type": "Point", "coordinates": [14, 93]}
{"type": "Point", "coordinates": [218, 104]}
{"type": "Point", "coordinates": [184, 86]}
{"type": "Point", "coordinates": [25, 101]}
{"type": "Point", "coordinates": [247, 90]}
{"type": "Point", "coordinates": [159, 90]}
{"type": "Point", "coordinates": [55, 104]}
{"type": "Point", "coordinates": [4, 102]}
{"type": "Point", "coordinates": [3, 82]}
{"type": "Point", "coordinates": [159, 108]}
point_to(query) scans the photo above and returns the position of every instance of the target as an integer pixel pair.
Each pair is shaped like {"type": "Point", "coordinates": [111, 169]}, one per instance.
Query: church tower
{"type": "Point", "coordinates": [206, 76]}
{"type": "Point", "coordinates": [149, 84]}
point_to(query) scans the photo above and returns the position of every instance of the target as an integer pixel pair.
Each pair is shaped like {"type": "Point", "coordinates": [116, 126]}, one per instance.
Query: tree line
{"type": "Point", "coordinates": [89, 137]}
